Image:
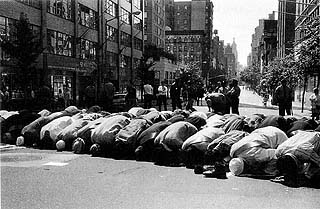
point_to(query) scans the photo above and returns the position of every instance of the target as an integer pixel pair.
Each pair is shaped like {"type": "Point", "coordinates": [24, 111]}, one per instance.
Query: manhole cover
{"type": "Point", "coordinates": [19, 157]}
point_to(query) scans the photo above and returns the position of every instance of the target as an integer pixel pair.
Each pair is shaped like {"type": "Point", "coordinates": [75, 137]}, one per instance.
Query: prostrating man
{"type": "Point", "coordinates": [299, 159]}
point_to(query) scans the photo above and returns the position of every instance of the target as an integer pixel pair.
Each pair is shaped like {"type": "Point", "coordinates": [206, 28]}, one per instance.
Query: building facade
{"type": "Point", "coordinates": [285, 32]}
{"type": "Point", "coordinates": [83, 41]}
{"type": "Point", "coordinates": [191, 17]}
{"type": "Point", "coordinates": [306, 11]}
{"type": "Point", "coordinates": [264, 42]}
{"type": "Point", "coordinates": [154, 23]}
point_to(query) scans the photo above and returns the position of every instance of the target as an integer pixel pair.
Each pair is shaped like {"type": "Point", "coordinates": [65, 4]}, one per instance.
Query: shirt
{"type": "Point", "coordinates": [148, 89]}
{"type": "Point", "coordinates": [315, 100]}
{"type": "Point", "coordinates": [259, 146]}
{"type": "Point", "coordinates": [162, 90]}
{"type": "Point", "coordinates": [304, 145]}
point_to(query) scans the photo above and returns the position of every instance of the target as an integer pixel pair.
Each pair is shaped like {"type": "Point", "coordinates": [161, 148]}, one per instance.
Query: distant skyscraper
{"type": "Point", "coordinates": [235, 52]}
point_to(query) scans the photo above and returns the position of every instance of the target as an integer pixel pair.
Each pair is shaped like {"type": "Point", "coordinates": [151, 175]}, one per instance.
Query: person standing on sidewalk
{"type": "Point", "coordinates": [148, 95]}
{"type": "Point", "coordinates": [284, 97]}
{"type": "Point", "coordinates": [175, 92]}
{"type": "Point", "coordinates": [162, 96]}
{"type": "Point", "coordinates": [234, 94]}
{"type": "Point", "coordinates": [315, 104]}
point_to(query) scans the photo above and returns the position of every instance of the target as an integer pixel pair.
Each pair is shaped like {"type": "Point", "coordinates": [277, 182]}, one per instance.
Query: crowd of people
{"type": "Point", "coordinates": [283, 148]}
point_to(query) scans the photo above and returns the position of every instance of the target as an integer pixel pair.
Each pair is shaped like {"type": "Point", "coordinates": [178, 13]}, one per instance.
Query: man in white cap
{"type": "Point", "coordinates": [255, 153]}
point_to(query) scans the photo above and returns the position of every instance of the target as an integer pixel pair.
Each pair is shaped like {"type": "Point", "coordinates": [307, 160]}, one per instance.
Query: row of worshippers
{"type": "Point", "coordinates": [211, 144]}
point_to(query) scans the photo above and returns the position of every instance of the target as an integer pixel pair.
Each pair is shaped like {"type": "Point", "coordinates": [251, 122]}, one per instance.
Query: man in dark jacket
{"type": "Point", "coordinates": [175, 92]}
{"type": "Point", "coordinates": [284, 97]}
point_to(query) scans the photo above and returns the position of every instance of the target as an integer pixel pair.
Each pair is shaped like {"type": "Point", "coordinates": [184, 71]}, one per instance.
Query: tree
{"type": "Point", "coordinates": [282, 68]}
{"type": "Point", "coordinates": [307, 52]}
{"type": "Point", "coordinates": [251, 75]}
{"type": "Point", "coordinates": [191, 77]}
{"type": "Point", "coordinates": [151, 54]}
{"type": "Point", "coordinates": [24, 47]}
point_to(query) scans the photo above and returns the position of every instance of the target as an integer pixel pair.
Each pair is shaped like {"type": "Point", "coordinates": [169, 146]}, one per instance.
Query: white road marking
{"type": "Point", "coordinates": [56, 164]}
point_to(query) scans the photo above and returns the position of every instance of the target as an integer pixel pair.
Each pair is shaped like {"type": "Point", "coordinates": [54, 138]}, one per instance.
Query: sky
{"type": "Point", "coordinates": [238, 19]}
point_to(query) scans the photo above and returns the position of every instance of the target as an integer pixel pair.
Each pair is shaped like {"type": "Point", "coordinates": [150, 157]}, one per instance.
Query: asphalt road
{"type": "Point", "coordinates": [49, 179]}
{"type": "Point", "coordinates": [33, 178]}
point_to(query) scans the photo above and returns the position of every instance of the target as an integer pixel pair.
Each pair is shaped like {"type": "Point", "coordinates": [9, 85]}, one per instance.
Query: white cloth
{"type": "Point", "coordinates": [162, 90]}
{"type": "Point", "coordinates": [259, 146]}
{"type": "Point", "coordinates": [55, 127]}
{"type": "Point", "coordinates": [148, 89]}
{"type": "Point", "coordinates": [202, 138]}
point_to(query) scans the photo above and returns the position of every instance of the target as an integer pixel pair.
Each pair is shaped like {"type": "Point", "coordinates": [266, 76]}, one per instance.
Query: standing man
{"type": "Point", "coordinates": [89, 95]}
{"type": "Point", "coordinates": [234, 94]}
{"type": "Point", "coordinates": [162, 96]}
{"type": "Point", "coordinates": [131, 96]}
{"type": "Point", "coordinates": [284, 97]}
{"type": "Point", "coordinates": [175, 92]}
{"type": "Point", "coordinates": [106, 95]}
{"type": "Point", "coordinates": [148, 95]}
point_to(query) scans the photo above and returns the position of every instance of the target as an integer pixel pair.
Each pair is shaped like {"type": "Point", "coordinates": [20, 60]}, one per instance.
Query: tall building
{"type": "Point", "coordinates": [264, 42]}
{"type": "Point", "coordinates": [235, 52]}
{"type": "Point", "coordinates": [230, 62]}
{"type": "Point", "coordinates": [286, 25]}
{"type": "Point", "coordinates": [83, 41]}
{"type": "Point", "coordinates": [189, 18]}
{"type": "Point", "coordinates": [306, 10]}
{"type": "Point", "coordinates": [154, 23]}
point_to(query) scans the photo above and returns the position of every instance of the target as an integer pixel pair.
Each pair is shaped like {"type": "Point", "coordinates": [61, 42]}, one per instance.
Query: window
{"type": "Point", "coordinates": [87, 17]}
{"type": "Point", "coordinates": [62, 8]}
{"type": "Point", "coordinates": [124, 16]}
{"type": "Point", "coordinates": [125, 39]}
{"type": "Point", "coordinates": [33, 3]}
{"type": "Point", "coordinates": [111, 59]}
{"type": "Point", "coordinates": [111, 8]}
{"type": "Point", "coordinates": [111, 33]}
{"type": "Point", "coordinates": [138, 44]}
{"type": "Point", "coordinates": [87, 49]}
{"type": "Point", "coordinates": [60, 43]}
{"type": "Point", "coordinates": [137, 3]}
{"type": "Point", "coordinates": [137, 23]}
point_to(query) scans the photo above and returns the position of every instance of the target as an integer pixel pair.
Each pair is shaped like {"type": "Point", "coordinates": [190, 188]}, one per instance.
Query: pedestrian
{"type": "Point", "coordinates": [66, 96]}
{"type": "Point", "coordinates": [233, 96]}
{"type": "Point", "coordinates": [283, 97]}
{"type": "Point", "coordinates": [131, 97]}
{"type": "Point", "coordinates": [89, 95]}
{"type": "Point", "coordinates": [162, 96]}
{"type": "Point", "coordinates": [106, 95]}
{"type": "Point", "coordinates": [175, 92]}
{"type": "Point", "coordinates": [315, 104]}
{"type": "Point", "coordinates": [200, 94]}
{"type": "Point", "coordinates": [192, 96]}
{"type": "Point", "coordinates": [148, 95]}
